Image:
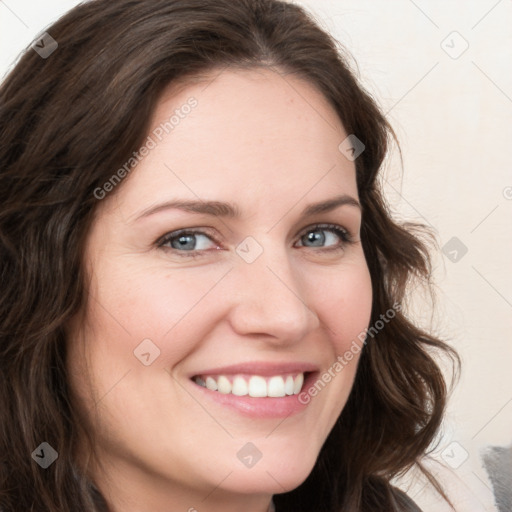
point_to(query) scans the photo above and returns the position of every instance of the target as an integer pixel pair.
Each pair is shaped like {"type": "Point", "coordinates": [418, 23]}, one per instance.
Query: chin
{"type": "Point", "coordinates": [278, 474]}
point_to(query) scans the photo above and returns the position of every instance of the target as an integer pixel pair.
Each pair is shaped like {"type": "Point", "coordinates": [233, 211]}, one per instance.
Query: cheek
{"type": "Point", "coordinates": [127, 306]}
{"type": "Point", "coordinates": [343, 300]}
{"type": "Point", "coordinates": [135, 303]}
{"type": "Point", "coordinates": [344, 303]}
{"type": "Point", "coordinates": [149, 301]}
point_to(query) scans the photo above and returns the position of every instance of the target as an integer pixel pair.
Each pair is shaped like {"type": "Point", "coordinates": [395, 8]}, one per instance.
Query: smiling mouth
{"type": "Point", "coordinates": [255, 386]}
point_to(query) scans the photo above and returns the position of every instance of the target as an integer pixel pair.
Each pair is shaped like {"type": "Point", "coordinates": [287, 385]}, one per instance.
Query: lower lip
{"type": "Point", "coordinates": [266, 407]}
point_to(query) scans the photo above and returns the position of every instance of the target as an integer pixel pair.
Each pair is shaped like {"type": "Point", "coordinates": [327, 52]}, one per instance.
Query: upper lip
{"type": "Point", "coordinates": [265, 369]}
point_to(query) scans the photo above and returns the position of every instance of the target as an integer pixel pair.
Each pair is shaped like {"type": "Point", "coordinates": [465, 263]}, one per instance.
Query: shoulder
{"type": "Point", "coordinates": [403, 502]}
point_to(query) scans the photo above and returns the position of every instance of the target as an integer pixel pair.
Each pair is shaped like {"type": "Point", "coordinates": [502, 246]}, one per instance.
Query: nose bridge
{"type": "Point", "coordinates": [270, 299]}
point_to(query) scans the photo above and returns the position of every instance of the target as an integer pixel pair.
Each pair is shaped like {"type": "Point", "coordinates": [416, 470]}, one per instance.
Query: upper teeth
{"type": "Point", "coordinates": [255, 385]}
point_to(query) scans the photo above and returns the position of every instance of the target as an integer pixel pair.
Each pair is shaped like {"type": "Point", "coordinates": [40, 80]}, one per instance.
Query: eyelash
{"type": "Point", "coordinates": [342, 233]}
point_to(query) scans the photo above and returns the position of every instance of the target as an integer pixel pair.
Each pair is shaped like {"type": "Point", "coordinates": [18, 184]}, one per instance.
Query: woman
{"type": "Point", "coordinates": [202, 287]}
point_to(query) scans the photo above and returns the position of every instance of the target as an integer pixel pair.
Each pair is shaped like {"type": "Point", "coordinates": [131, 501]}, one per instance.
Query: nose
{"type": "Point", "coordinates": [270, 300]}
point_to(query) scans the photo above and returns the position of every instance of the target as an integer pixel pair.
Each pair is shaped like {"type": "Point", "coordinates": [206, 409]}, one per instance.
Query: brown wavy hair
{"type": "Point", "coordinates": [68, 121]}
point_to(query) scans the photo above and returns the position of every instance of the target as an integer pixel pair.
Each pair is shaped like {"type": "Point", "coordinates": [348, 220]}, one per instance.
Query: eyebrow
{"type": "Point", "coordinates": [221, 209]}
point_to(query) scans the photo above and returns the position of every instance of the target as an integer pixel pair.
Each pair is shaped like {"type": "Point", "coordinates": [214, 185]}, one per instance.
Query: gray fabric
{"type": "Point", "coordinates": [498, 463]}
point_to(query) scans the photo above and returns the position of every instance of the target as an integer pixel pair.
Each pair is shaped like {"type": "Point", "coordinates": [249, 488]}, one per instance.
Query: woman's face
{"type": "Point", "coordinates": [223, 261]}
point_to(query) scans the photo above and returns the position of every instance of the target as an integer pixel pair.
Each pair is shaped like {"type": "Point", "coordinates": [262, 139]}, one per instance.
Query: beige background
{"type": "Point", "coordinates": [442, 71]}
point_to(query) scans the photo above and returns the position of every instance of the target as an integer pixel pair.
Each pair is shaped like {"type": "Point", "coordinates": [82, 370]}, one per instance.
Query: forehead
{"type": "Point", "coordinates": [249, 136]}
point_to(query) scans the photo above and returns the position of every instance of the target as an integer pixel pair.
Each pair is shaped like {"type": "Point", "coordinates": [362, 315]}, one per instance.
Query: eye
{"type": "Point", "coordinates": [188, 241]}
{"type": "Point", "coordinates": [325, 236]}
{"type": "Point", "coordinates": [192, 242]}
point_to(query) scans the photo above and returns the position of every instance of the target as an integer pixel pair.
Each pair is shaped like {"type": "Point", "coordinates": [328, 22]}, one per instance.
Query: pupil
{"type": "Point", "coordinates": [316, 237]}
{"type": "Point", "coordinates": [186, 241]}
